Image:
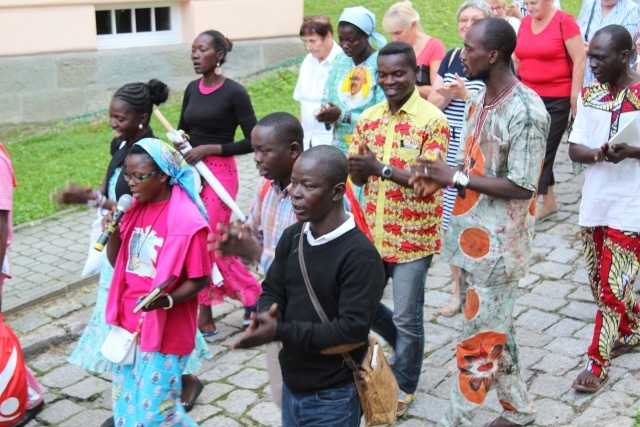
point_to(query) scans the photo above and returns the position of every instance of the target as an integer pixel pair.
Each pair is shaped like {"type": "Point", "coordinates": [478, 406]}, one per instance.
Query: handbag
{"type": "Point", "coordinates": [375, 381]}
{"type": "Point", "coordinates": [120, 345]}
{"type": "Point", "coordinates": [423, 78]}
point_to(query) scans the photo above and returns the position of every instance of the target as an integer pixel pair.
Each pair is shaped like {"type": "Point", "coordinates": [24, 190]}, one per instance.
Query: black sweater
{"type": "Point", "coordinates": [347, 276]}
{"type": "Point", "coordinates": [214, 118]}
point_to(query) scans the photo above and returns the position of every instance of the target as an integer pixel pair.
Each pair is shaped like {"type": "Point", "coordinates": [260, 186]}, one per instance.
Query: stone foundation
{"type": "Point", "coordinates": [51, 87]}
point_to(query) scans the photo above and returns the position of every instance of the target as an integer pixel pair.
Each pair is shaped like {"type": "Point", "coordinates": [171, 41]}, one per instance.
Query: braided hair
{"type": "Point", "coordinates": [143, 96]}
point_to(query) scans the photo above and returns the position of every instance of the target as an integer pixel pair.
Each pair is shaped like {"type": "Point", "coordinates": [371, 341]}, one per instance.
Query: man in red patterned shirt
{"type": "Point", "coordinates": [405, 227]}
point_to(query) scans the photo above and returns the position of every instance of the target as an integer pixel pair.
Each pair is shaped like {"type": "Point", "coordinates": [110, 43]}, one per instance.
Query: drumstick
{"type": "Point", "coordinates": [163, 120]}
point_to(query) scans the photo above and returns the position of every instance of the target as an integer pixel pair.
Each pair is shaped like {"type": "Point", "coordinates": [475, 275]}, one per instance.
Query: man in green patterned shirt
{"type": "Point", "coordinates": [489, 236]}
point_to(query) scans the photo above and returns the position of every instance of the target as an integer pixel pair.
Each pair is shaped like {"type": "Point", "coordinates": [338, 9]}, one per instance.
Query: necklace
{"type": "Point", "coordinates": [135, 259]}
{"type": "Point", "coordinates": [505, 90]}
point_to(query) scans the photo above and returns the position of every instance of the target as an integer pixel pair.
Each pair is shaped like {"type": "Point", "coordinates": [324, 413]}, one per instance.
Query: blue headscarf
{"type": "Point", "coordinates": [364, 19]}
{"type": "Point", "coordinates": [172, 164]}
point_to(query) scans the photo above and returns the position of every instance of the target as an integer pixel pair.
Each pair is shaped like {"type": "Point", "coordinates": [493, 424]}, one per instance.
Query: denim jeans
{"type": "Point", "coordinates": [326, 408]}
{"type": "Point", "coordinates": [403, 328]}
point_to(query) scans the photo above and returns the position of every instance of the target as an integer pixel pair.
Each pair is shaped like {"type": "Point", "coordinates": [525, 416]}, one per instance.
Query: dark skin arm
{"type": "Point", "coordinates": [439, 172]}
{"type": "Point", "coordinates": [364, 164]}
{"type": "Point", "coordinates": [187, 290]}
{"type": "Point", "coordinates": [582, 154]}
{"type": "Point", "coordinates": [330, 113]}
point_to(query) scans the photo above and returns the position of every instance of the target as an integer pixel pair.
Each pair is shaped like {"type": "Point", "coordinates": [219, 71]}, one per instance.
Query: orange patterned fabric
{"type": "Point", "coordinates": [478, 358]}
{"type": "Point", "coordinates": [404, 226]}
{"type": "Point", "coordinates": [506, 139]}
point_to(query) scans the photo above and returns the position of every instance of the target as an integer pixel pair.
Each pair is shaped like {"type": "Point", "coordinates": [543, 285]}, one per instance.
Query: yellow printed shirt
{"type": "Point", "coordinates": [404, 226]}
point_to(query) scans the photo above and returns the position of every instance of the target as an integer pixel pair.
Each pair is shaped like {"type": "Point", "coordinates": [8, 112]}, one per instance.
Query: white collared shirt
{"type": "Point", "coordinates": [348, 225]}
{"type": "Point", "coordinates": [309, 90]}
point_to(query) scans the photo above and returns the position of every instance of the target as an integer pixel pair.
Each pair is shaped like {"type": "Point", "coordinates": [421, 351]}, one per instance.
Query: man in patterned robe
{"type": "Point", "coordinates": [489, 236]}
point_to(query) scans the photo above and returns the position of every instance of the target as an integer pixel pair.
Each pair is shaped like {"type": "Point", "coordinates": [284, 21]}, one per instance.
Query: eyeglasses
{"type": "Point", "coordinates": [137, 179]}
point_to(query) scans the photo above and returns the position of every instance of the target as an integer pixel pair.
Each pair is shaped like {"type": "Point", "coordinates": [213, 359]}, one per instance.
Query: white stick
{"type": "Point", "coordinates": [204, 171]}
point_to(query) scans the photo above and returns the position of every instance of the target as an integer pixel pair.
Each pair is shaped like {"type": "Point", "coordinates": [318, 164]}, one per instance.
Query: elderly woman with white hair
{"type": "Point", "coordinates": [450, 91]}
{"type": "Point", "coordinates": [402, 22]}
{"type": "Point", "coordinates": [352, 85]}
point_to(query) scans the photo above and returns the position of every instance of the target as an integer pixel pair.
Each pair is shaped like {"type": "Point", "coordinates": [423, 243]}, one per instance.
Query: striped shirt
{"type": "Point", "coordinates": [454, 112]}
{"type": "Point", "coordinates": [625, 13]}
{"type": "Point", "coordinates": [270, 215]}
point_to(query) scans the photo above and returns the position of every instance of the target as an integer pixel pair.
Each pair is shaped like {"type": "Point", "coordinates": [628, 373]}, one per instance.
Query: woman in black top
{"type": "Point", "coordinates": [212, 109]}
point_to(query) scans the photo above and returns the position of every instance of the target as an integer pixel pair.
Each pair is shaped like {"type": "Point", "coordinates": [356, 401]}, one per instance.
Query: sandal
{"type": "Point", "coordinates": [451, 307]}
{"type": "Point", "coordinates": [246, 319]}
{"type": "Point", "coordinates": [619, 349]}
{"type": "Point", "coordinates": [544, 212]}
{"type": "Point", "coordinates": [391, 357]}
{"type": "Point", "coordinates": [404, 401]}
{"type": "Point", "coordinates": [581, 385]}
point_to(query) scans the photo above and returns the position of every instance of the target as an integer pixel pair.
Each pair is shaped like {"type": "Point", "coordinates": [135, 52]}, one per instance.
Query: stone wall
{"type": "Point", "coordinates": [50, 87]}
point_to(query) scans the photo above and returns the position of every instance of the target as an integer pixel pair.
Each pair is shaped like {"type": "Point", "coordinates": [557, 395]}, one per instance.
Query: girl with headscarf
{"type": "Point", "coordinates": [351, 86]}
{"type": "Point", "coordinates": [129, 116]}
{"type": "Point", "coordinates": [163, 236]}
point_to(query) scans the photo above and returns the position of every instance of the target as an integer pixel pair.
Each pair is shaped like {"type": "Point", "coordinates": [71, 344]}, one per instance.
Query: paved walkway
{"type": "Point", "coordinates": [554, 324]}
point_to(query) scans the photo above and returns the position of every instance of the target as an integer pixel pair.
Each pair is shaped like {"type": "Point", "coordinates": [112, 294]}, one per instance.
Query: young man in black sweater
{"type": "Point", "coordinates": [346, 274]}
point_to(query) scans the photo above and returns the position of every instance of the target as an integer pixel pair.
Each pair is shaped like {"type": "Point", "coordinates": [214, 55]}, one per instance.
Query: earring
{"type": "Point", "coordinates": [217, 70]}
{"type": "Point", "coordinates": [140, 126]}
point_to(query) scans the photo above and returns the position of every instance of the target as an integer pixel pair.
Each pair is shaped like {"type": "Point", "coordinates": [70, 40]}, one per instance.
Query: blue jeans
{"type": "Point", "coordinates": [403, 328]}
{"type": "Point", "coordinates": [326, 408]}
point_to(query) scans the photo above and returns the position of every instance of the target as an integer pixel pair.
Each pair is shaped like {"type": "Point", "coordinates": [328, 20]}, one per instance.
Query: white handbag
{"type": "Point", "coordinates": [120, 346]}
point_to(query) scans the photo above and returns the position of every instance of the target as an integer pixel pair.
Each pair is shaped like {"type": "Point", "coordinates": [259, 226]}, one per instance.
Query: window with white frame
{"type": "Point", "coordinates": [130, 25]}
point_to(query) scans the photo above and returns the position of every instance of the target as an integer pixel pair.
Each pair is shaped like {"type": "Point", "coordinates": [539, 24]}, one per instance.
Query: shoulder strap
{"type": "Point", "coordinates": [453, 55]}
{"type": "Point", "coordinates": [314, 299]}
{"type": "Point", "coordinates": [586, 33]}
{"type": "Point", "coordinates": [265, 189]}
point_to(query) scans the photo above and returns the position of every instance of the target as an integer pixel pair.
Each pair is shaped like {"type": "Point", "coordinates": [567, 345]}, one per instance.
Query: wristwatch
{"type": "Point", "coordinates": [460, 182]}
{"type": "Point", "coordinates": [387, 172]}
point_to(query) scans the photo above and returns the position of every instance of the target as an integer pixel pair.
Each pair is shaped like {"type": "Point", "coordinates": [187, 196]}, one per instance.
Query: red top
{"type": "Point", "coordinates": [544, 60]}
{"type": "Point", "coordinates": [434, 50]}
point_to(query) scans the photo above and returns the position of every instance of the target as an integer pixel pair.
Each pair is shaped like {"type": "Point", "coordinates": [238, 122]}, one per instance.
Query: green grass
{"type": "Point", "coordinates": [47, 156]}
{"type": "Point", "coordinates": [438, 17]}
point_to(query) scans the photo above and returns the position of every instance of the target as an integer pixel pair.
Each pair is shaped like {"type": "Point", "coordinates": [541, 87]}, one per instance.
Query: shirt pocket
{"type": "Point", "coordinates": [408, 155]}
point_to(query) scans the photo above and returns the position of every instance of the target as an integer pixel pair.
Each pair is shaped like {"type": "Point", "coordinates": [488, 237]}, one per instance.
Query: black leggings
{"type": "Point", "coordinates": [559, 110]}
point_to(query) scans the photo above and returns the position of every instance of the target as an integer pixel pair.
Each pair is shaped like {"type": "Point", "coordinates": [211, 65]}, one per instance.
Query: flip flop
{"type": "Point", "coordinates": [210, 334]}
{"type": "Point", "coordinates": [619, 349]}
{"type": "Point", "coordinates": [406, 399]}
{"type": "Point", "coordinates": [391, 357]}
{"type": "Point", "coordinates": [190, 404]}
{"type": "Point", "coordinates": [451, 307]}
{"type": "Point", "coordinates": [587, 388]}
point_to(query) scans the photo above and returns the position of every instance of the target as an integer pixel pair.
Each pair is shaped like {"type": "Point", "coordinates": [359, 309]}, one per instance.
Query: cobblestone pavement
{"type": "Point", "coordinates": [554, 320]}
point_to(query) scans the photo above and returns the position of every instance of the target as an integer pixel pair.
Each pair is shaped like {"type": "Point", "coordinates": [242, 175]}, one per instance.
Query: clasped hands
{"type": "Point", "coordinates": [612, 153]}
{"type": "Point", "coordinates": [430, 175]}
